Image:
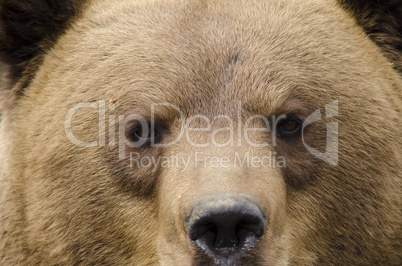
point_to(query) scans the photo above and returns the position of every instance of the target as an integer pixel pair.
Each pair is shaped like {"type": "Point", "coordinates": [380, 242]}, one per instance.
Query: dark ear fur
{"type": "Point", "coordinates": [382, 21]}
{"type": "Point", "coordinates": [28, 28]}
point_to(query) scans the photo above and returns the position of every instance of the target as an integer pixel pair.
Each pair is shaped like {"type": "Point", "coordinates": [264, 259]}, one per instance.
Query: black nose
{"type": "Point", "coordinates": [225, 225]}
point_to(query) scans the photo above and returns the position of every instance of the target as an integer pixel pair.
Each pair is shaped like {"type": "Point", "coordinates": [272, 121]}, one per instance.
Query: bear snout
{"type": "Point", "coordinates": [225, 226]}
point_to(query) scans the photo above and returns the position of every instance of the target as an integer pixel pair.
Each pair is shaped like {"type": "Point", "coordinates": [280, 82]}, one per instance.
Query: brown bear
{"type": "Point", "coordinates": [200, 132]}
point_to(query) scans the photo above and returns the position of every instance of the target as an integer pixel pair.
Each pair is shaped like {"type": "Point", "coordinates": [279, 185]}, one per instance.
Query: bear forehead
{"type": "Point", "coordinates": [205, 55]}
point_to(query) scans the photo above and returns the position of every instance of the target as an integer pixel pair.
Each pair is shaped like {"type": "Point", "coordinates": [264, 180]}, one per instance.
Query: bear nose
{"type": "Point", "coordinates": [227, 225]}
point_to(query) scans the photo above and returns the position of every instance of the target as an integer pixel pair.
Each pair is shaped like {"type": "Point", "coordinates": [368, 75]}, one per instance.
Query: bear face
{"type": "Point", "coordinates": [200, 132]}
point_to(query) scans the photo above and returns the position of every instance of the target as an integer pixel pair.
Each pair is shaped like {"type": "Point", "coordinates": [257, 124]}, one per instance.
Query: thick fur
{"type": "Point", "coordinates": [382, 21]}
{"type": "Point", "coordinates": [29, 29]}
{"type": "Point", "coordinates": [61, 204]}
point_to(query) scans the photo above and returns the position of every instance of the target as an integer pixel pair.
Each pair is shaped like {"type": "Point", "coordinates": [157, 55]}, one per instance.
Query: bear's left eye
{"type": "Point", "coordinates": [144, 135]}
{"type": "Point", "coordinates": [289, 128]}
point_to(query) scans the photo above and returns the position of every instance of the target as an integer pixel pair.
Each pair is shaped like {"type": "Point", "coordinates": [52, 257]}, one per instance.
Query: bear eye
{"type": "Point", "coordinates": [289, 127]}
{"type": "Point", "coordinates": [144, 135]}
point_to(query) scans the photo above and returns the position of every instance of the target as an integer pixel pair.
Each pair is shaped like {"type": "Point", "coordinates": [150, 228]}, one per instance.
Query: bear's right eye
{"type": "Point", "coordinates": [143, 135]}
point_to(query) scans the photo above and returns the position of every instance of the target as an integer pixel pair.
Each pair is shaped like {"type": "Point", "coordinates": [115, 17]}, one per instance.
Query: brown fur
{"type": "Point", "coordinates": [382, 22]}
{"type": "Point", "coordinates": [29, 30]}
{"type": "Point", "coordinates": [63, 204]}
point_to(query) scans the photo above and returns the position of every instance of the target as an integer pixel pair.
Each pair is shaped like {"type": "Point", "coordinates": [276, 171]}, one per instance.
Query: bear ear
{"type": "Point", "coordinates": [382, 21]}
{"type": "Point", "coordinates": [28, 28]}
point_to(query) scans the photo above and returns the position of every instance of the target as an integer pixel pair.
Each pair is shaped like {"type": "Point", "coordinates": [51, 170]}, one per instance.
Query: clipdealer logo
{"type": "Point", "coordinates": [235, 128]}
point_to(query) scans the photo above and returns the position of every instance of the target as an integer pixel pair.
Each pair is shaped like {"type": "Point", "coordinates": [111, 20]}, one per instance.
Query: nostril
{"type": "Point", "coordinates": [203, 228]}
{"type": "Point", "coordinates": [227, 230]}
{"type": "Point", "coordinates": [225, 227]}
